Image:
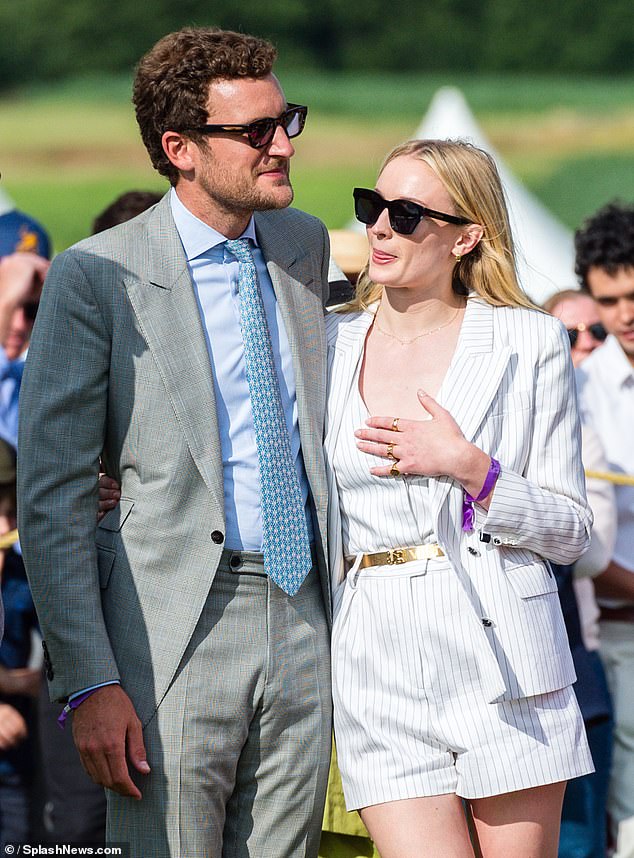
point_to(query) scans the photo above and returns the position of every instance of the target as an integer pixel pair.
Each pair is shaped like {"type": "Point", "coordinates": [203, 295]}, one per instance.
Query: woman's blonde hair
{"type": "Point", "coordinates": [471, 178]}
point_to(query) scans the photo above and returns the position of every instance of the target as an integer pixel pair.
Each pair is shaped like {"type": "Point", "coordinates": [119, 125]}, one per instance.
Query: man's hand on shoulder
{"type": "Point", "coordinates": [108, 736]}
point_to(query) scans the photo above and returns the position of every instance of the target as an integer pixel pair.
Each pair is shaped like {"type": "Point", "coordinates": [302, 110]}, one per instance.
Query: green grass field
{"type": "Point", "coordinates": [67, 151]}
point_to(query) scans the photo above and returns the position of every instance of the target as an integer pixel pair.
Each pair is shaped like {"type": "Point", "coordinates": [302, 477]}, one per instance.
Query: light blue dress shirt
{"type": "Point", "coordinates": [10, 381]}
{"type": "Point", "coordinates": [215, 273]}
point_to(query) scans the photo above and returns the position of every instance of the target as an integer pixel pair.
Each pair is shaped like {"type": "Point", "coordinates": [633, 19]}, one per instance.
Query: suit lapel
{"type": "Point", "coordinates": [168, 315]}
{"type": "Point", "coordinates": [303, 316]}
{"type": "Point", "coordinates": [346, 341]}
{"type": "Point", "coordinates": [472, 380]}
{"type": "Point", "coordinates": [343, 357]}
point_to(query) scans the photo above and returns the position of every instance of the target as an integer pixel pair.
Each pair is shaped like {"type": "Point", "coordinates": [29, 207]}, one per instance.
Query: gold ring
{"type": "Point", "coordinates": [394, 471]}
{"type": "Point", "coordinates": [390, 452]}
{"type": "Point", "coordinates": [395, 424]}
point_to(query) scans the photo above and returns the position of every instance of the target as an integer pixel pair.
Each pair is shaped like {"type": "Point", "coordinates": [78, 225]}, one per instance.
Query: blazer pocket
{"type": "Point", "coordinates": [113, 520]}
{"type": "Point", "coordinates": [107, 528]}
{"type": "Point", "coordinates": [105, 562]}
{"type": "Point", "coordinates": [531, 579]}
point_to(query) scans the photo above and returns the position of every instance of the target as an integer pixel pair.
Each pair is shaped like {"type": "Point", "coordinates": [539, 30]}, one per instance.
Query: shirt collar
{"type": "Point", "coordinates": [621, 369]}
{"type": "Point", "coordinates": [198, 237]}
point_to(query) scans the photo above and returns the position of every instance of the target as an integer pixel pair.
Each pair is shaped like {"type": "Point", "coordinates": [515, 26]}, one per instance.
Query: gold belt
{"type": "Point", "coordinates": [396, 556]}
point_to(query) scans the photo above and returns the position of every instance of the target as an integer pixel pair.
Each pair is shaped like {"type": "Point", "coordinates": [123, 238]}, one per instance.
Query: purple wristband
{"type": "Point", "coordinates": [468, 513]}
{"type": "Point", "coordinates": [73, 704]}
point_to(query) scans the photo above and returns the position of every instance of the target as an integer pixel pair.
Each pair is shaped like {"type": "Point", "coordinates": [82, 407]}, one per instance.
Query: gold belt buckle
{"type": "Point", "coordinates": [396, 555]}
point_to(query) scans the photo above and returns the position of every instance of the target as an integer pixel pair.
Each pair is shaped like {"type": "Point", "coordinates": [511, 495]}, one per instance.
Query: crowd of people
{"type": "Point", "coordinates": [236, 508]}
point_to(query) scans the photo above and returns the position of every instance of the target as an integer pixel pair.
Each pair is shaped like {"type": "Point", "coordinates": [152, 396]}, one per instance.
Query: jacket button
{"type": "Point", "coordinates": [486, 622]}
{"type": "Point", "coordinates": [217, 537]}
{"type": "Point", "coordinates": [497, 540]}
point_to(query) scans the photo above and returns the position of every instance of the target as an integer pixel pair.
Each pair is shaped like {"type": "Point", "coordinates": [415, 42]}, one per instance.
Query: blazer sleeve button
{"type": "Point", "coordinates": [218, 537]}
{"type": "Point", "coordinates": [48, 665]}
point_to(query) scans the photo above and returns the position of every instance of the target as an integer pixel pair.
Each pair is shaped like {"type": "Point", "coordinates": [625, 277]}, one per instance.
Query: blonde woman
{"type": "Point", "coordinates": [453, 447]}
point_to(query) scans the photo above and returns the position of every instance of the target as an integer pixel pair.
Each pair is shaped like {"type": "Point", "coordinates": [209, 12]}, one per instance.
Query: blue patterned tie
{"type": "Point", "coordinates": [285, 545]}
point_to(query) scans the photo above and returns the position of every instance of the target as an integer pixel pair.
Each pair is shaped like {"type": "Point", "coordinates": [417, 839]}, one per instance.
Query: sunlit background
{"type": "Point", "coordinates": [551, 87]}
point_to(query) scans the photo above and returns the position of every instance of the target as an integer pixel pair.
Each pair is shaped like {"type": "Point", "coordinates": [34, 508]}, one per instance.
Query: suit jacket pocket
{"type": "Point", "coordinates": [531, 579]}
{"type": "Point", "coordinates": [105, 562]}
{"type": "Point", "coordinates": [107, 531]}
{"type": "Point", "coordinates": [113, 520]}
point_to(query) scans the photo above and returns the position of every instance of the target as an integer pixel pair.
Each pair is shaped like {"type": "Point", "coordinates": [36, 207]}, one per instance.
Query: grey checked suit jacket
{"type": "Point", "coordinates": [118, 367]}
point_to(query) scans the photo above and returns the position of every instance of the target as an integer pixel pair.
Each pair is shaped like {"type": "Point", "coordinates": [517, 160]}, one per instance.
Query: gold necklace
{"type": "Point", "coordinates": [424, 334]}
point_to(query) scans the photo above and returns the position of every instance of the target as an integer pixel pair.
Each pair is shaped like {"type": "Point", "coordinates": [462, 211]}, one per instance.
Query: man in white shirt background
{"type": "Point", "coordinates": [605, 266]}
{"type": "Point", "coordinates": [583, 823]}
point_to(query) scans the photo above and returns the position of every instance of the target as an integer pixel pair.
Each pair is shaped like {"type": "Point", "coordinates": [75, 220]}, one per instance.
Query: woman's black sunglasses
{"type": "Point", "coordinates": [596, 330]}
{"type": "Point", "coordinates": [404, 215]}
{"type": "Point", "coordinates": [261, 132]}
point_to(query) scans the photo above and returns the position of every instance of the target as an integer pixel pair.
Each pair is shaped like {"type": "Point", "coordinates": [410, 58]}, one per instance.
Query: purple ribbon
{"type": "Point", "coordinates": [468, 512]}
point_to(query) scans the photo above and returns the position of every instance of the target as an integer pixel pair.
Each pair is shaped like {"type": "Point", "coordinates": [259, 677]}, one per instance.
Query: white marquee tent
{"type": "Point", "coordinates": [545, 246]}
{"type": "Point", "coordinates": [6, 203]}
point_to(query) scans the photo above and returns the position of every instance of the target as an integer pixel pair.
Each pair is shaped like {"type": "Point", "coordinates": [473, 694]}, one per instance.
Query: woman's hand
{"type": "Point", "coordinates": [431, 448]}
{"type": "Point", "coordinates": [109, 495]}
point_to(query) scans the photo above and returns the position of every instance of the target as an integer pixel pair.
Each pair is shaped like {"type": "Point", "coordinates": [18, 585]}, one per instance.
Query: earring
{"type": "Point", "coordinates": [457, 257]}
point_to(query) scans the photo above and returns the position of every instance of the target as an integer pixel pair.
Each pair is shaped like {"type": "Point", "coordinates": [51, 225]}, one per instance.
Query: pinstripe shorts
{"type": "Point", "coordinates": [410, 717]}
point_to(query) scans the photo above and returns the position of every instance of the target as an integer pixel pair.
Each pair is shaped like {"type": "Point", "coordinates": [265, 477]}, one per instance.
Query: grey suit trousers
{"type": "Point", "coordinates": [239, 747]}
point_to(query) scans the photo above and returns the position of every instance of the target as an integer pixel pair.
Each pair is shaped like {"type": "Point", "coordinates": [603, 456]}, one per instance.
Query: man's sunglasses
{"type": "Point", "coordinates": [261, 132]}
{"type": "Point", "coordinates": [404, 214]}
{"type": "Point", "coordinates": [596, 330]}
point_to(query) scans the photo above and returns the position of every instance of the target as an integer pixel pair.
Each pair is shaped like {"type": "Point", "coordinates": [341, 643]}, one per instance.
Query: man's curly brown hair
{"type": "Point", "coordinates": [171, 86]}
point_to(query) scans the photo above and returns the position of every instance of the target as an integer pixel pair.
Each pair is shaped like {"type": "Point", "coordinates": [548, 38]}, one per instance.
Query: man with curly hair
{"type": "Point", "coordinates": [605, 265]}
{"type": "Point", "coordinates": [185, 349]}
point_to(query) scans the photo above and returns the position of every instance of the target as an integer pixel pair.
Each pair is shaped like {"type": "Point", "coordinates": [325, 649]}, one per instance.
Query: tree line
{"type": "Point", "coordinates": [49, 40]}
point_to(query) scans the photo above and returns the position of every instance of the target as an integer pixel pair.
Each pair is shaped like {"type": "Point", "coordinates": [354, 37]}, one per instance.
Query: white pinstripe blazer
{"type": "Point", "coordinates": [510, 387]}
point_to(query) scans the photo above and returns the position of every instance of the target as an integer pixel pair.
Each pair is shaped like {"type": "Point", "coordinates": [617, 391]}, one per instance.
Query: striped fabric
{"type": "Point", "coordinates": [410, 717]}
{"type": "Point", "coordinates": [367, 502]}
{"type": "Point", "coordinates": [411, 657]}
{"type": "Point", "coordinates": [510, 387]}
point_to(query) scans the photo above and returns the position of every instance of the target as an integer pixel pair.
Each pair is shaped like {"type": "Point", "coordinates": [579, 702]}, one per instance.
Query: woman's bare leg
{"type": "Point", "coordinates": [524, 824]}
{"type": "Point", "coordinates": [419, 828]}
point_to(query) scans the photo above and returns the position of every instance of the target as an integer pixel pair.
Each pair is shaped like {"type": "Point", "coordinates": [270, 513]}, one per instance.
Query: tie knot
{"type": "Point", "coordinates": [240, 249]}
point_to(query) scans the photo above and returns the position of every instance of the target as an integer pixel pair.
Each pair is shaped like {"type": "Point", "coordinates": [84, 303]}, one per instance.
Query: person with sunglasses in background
{"type": "Point", "coordinates": [24, 252]}
{"type": "Point", "coordinates": [188, 633]}
{"type": "Point", "coordinates": [452, 447]}
{"type": "Point", "coordinates": [577, 310]}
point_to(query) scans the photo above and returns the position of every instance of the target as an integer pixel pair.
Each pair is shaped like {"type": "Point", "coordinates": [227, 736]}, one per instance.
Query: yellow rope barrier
{"type": "Point", "coordinates": [610, 477]}
{"type": "Point", "coordinates": [8, 539]}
